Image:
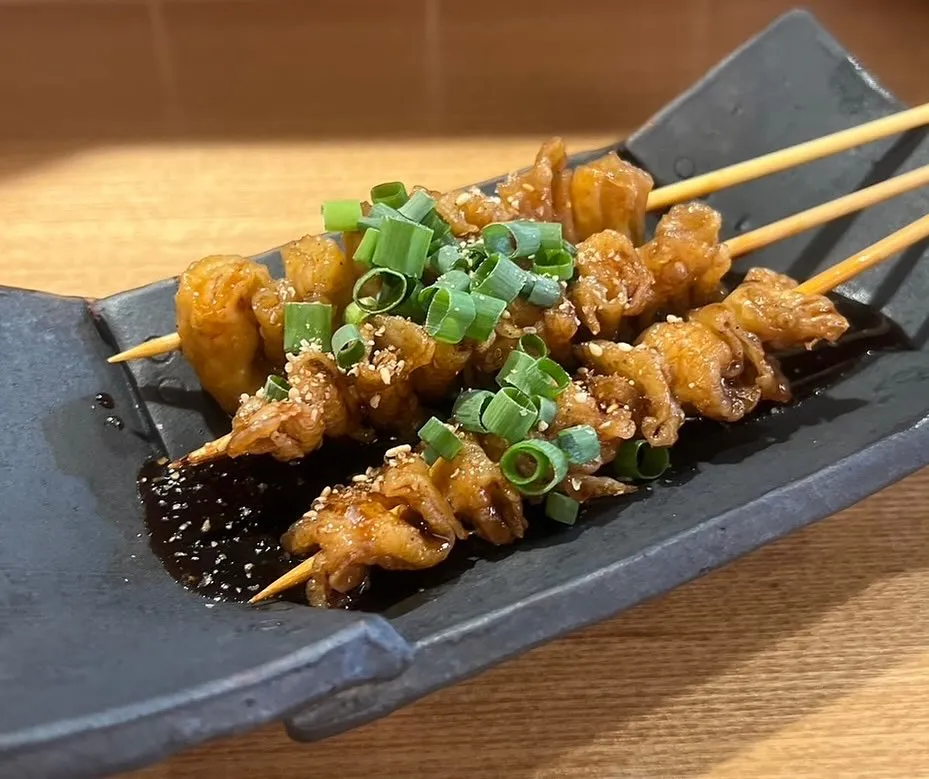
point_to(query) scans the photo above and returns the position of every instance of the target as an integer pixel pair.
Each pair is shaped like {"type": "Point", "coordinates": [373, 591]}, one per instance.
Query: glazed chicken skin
{"type": "Point", "coordinates": [608, 193]}
{"type": "Point", "coordinates": [230, 312]}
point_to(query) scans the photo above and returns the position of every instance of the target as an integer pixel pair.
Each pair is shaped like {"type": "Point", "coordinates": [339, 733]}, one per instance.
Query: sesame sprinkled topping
{"type": "Point", "coordinates": [624, 347]}
{"type": "Point", "coordinates": [595, 349]}
{"type": "Point", "coordinates": [396, 451]}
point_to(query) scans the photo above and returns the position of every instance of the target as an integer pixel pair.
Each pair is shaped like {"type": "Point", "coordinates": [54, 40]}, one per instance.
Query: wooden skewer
{"type": "Point", "coordinates": [867, 258]}
{"type": "Point", "coordinates": [698, 186]}
{"type": "Point", "coordinates": [151, 348]}
{"type": "Point", "coordinates": [823, 282]}
{"type": "Point", "coordinates": [827, 212]}
{"type": "Point", "coordinates": [295, 576]}
{"type": "Point", "coordinates": [209, 451]}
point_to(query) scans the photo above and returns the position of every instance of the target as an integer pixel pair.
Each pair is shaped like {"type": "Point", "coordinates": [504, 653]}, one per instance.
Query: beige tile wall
{"type": "Point", "coordinates": [229, 68]}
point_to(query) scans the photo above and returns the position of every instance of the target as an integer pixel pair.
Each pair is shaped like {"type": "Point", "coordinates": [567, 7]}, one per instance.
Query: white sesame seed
{"type": "Point", "coordinates": [205, 527]}
{"type": "Point", "coordinates": [375, 401]}
{"type": "Point", "coordinates": [326, 492]}
{"type": "Point", "coordinates": [463, 198]}
{"type": "Point", "coordinates": [624, 347]}
{"type": "Point", "coordinates": [595, 349]}
{"type": "Point", "coordinates": [385, 375]}
{"type": "Point", "coordinates": [396, 451]}
{"type": "Point", "coordinates": [674, 319]}
{"type": "Point", "coordinates": [360, 478]}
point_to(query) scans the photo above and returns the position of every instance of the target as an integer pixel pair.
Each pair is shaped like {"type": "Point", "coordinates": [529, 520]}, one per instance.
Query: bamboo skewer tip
{"type": "Point", "coordinates": [296, 575]}
{"type": "Point", "coordinates": [150, 348]}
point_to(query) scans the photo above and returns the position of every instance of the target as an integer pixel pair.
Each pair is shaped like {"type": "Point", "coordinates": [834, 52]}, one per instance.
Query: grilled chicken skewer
{"type": "Point", "coordinates": [525, 195]}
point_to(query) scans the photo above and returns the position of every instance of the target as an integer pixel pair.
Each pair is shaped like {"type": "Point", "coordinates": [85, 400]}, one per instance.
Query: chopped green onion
{"type": "Point", "coordinates": [450, 314]}
{"type": "Point", "coordinates": [355, 314]}
{"type": "Point", "coordinates": [533, 376]}
{"type": "Point", "coordinates": [340, 216]}
{"type": "Point", "coordinates": [580, 444]}
{"type": "Point", "coordinates": [561, 508]}
{"type": "Point", "coordinates": [348, 345]}
{"type": "Point", "coordinates": [376, 216]}
{"type": "Point", "coordinates": [512, 239]}
{"type": "Point", "coordinates": [487, 313]}
{"type": "Point", "coordinates": [545, 292]}
{"type": "Point", "coordinates": [276, 388]}
{"type": "Point", "coordinates": [418, 206]}
{"type": "Point", "coordinates": [390, 193]}
{"type": "Point", "coordinates": [365, 251]}
{"type": "Point", "coordinates": [569, 247]}
{"type": "Point", "coordinates": [517, 363]}
{"type": "Point", "coordinates": [549, 235]}
{"type": "Point", "coordinates": [402, 246]}
{"type": "Point", "coordinates": [499, 277]}
{"type": "Point", "coordinates": [533, 345]}
{"type": "Point", "coordinates": [548, 466]}
{"type": "Point", "coordinates": [392, 291]}
{"type": "Point", "coordinates": [440, 439]}
{"type": "Point", "coordinates": [469, 407]}
{"type": "Point", "coordinates": [637, 460]}
{"type": "Point", "coordinates": [556, 263]}
{"type": "Point", "coordinates": [510, 414]}
{"type": "Point", "coordinates": [476, 253]}
{"type": "Point", "coordinates": [547, 409]}
{"type": "Point", "coordinates": [558, 375]}
{"type": "Point", "coordinates": [307, 324]}
{"type": "Point", "coordinates": [449, 258]}
{"type": "Point", "coordinates": [430, 455]}
{"type": "Point", "coordinates": [454, 279]}
{"type": "Point", "coordinates": [442, 231]}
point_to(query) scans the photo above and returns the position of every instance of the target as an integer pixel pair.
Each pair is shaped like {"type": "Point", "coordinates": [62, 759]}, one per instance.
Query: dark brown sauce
{"type": "Point", "coordinates": [103, 400]}
{"type": "Point", "coordinates": [216, 527]}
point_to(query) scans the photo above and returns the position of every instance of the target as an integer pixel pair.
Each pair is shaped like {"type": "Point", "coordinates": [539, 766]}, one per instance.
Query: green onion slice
{"type": "Point", "coordinates": [517, 363]}
{"type": "Point", "coordinates": [499, 277]}
{"type": "Point", "coordinates": [348, 345]}
{"type": "Point", "coordinates": [418, 206]}
{"type": "Point", "coordinates": [355, 314]}
{"type": "Point", "coordinates": [561, 508]}
{"type": "Point", "coordinates": [430, 455]}
{"type": "Point", "coordinates": [440, 439]}
{"type": "Point", "coordinates": [365, 251]}
{"type": "Point", "coordinates": [533, 345]}
{"type": "Point", "coordinates": [534, 467]}
{"type": "Point", "coordinates": [307, 324]}
{"type": "Point", "coordinates": [510, 414]}
{"type": "Point", "coordinates": [450, 314]}
{"type": "Point", "coordinates": [544, 291]}
{"type": "Point", "coordinates": [390, 294]}
{"type": "Point", "coordinates": [580, 444]}
{"type": "Point", "coordinates": [390, 193]}
{"type": "Point", "coordinates": [276, 388]}
{"type": "Point", "coordinates": [341, 216]}
{"type": "Point", "coordinates": [512, 239]}
{"type": "Point", "coordinates": [410, 307]}
{"type": "Point", "coordinates": [549, 235]}
{"type": "Point", "coordinates": [449, 258]}
{"type": "Point", "coordinates": [558, 375]}
{"type": "Point", "coordinates": [469, 408]}
{"type": "Point", "coordinates": [402, 246]}
{"type": "Point", "coordinates": [546, 409]}
{"type": "Point", "coordinates": [556, 263]}
{"type": "Point", "coordinates": [637, 460]}
{"type": "Point", "coordinates": [454, 279]}
{"type": "Point", "coordinates": [487, 313]}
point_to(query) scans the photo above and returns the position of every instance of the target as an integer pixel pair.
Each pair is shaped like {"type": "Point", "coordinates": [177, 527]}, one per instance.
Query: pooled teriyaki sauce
{"type": "Point", "coordinates": [216, 527]}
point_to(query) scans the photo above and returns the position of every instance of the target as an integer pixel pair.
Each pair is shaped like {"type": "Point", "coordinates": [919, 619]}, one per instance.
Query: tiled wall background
{"type": "Point", "coordinates": [81, 69]}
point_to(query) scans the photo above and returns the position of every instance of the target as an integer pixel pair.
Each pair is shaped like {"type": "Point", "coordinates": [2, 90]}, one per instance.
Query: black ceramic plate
{"type": "Point", "coordinates": [106, 663]}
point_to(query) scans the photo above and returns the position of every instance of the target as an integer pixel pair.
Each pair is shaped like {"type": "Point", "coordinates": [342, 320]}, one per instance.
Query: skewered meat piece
{"type": "Point", "coordinates": [556, 326]}
{"type": "Point", "coordinates": [318, 270]}
{"type": "Point", "coordinates": [768, 304]}
{"type": "Point", "coordinates": [218, 328]}
{"type": "Point", "coordinates": [638, 380]}
{"type": "Point", "coordinates": [321, 403]}
{"type": "Point", "coordinates": [607, 193]}
{"type": "Point", "coordinates": [686, 259]}
{"type": "Point", "coordinates": [613, 283]}
{"type": "Point", "coordinates": [230, 313]}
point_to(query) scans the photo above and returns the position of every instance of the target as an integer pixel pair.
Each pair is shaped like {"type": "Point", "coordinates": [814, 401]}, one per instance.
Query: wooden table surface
{"type": "Point", "coordinates": [809, 658]}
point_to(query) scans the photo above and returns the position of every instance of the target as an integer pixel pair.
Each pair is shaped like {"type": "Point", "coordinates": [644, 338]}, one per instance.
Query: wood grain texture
{"type": "Point", "coordinates": [125, 154]}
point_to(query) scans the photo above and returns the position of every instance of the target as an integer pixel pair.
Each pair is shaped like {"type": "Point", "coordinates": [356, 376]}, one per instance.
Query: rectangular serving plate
{"type": "Point", "coordinates": [84, 593]}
